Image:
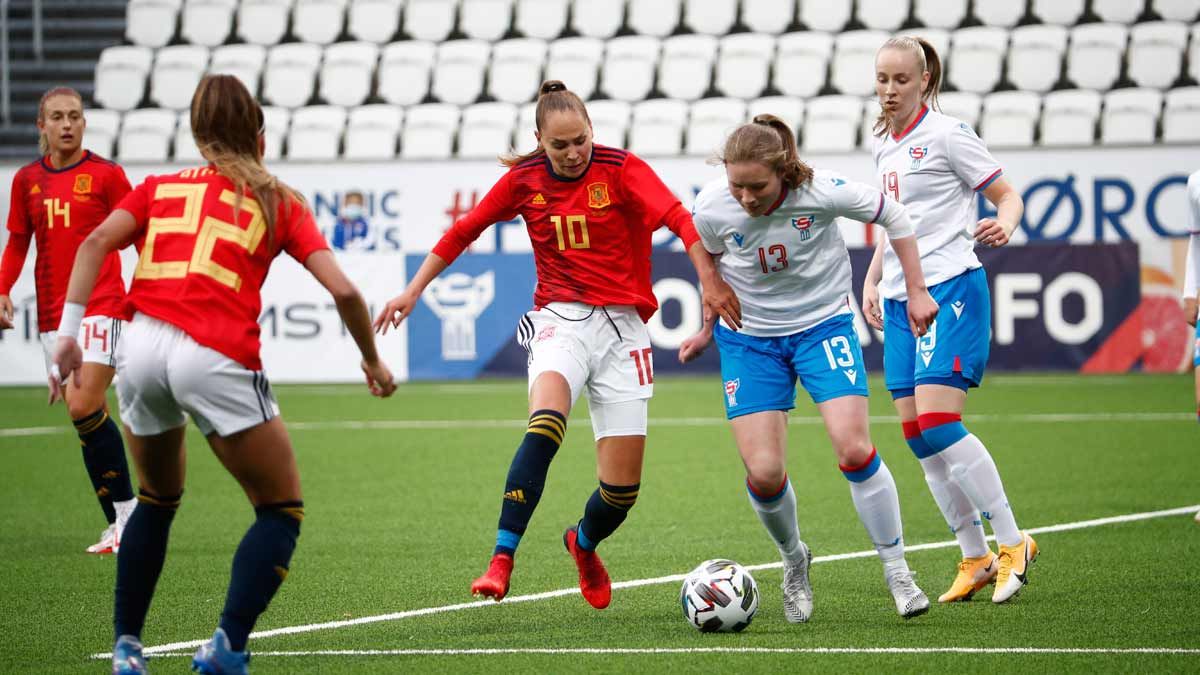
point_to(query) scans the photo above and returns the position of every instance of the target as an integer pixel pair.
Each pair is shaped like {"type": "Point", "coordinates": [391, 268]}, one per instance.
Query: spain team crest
{"type": "Point", "coordinates": [83, 184]}
{"type": "Point", "coordinates": [598, 196]}
{"type": "Point", "coordinates": [804, 224]}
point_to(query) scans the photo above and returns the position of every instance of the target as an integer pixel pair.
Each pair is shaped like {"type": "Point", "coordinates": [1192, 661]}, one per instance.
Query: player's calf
{"type": "Point", "coordinates": [260, 567]}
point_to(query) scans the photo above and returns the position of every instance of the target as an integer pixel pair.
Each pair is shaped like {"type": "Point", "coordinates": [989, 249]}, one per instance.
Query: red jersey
{"type": "Point", "coordinates": [199, 268]}
{"type": "Point", "coordinates": [60, 208]}
{"type": "Point", "coordinates": [591, 234]}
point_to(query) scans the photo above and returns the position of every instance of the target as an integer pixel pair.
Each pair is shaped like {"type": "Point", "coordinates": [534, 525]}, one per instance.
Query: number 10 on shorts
{"type": "Point", "coordinates": [645, 365]}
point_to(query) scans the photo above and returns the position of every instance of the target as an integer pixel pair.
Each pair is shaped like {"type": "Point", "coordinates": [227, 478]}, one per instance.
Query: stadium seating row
{"type": "Point", "coordinates": [660, 126]}
{"type": "Point", "coordinates": [632, 68]}
{"type": "Point", "coordinates": [266, 22]}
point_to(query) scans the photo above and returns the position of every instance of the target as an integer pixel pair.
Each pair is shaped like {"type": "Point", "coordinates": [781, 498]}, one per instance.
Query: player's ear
{"type": "Point", "coordinates": [538, 135]}
{"type": "Point", "coordinates": [262, 145]}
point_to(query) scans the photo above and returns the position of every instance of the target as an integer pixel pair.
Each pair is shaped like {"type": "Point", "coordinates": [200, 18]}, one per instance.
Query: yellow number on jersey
{"type": "Point", "coordinates": [56, 208]}
{"type": "Point", "coordinates": [576, 232]}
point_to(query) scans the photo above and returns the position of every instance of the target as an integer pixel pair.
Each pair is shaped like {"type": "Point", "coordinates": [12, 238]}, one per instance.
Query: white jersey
{"type": "Point", "coordinates": [1191, 277]}
{"type": "Point", "coordinates": [934, 168]}
{"type": "Point", "coordinates": [789, 267]}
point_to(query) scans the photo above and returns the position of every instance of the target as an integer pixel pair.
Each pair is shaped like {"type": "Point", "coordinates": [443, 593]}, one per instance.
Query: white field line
{"type": "Point", "coordinates": [607, 651]}
{"type": "Point", "coordinates": [634, 583]}
{"type": "Point", "coordinates": [387, 425]}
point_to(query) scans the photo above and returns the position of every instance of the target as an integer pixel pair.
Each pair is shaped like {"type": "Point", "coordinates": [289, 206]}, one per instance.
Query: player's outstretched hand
{"type": "Point", "coordinates": [379, 379]}
{"type": "Point", "coordinates": [991, 233]}
{"type": "Point", "coordinates": [6, 312]}
{"type": "Point", "coordinates": [66, 362]}
{"type": "Point", "coordinates": [1189, 311]}
{"type": "Point", "coordinates": [721, 299]}
{"type": "Point", "coordinates": [396, 310]}
{"type": "Point", "coordinates": [922, 310]}
{"type": "Point", "coordinates": [694, 346]}
{"type": "Point", "coordinates": [871, 307]}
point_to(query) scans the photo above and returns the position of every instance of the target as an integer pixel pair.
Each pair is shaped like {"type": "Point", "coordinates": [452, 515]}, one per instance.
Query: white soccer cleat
{"type": "Point", "coordinates": [1014, 568]}
{"type": "Point", "coordinates": [108, 542]}
{"type": "Point", "coordinates": [910, 599]}
{"type": "Point", "coordinates": [797, 592]}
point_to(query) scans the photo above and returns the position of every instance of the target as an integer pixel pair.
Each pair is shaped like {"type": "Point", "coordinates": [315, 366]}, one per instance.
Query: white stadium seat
{"type": "Point", "coordinates": [768, 16]}
{"type": "Point", "coordinates": [1061, 12]}
{"type": "Point", "coordinates": [275, 126]}
{"type": "Point", "coordinates": [653, 17]}
{"type": "Point", "coordinates": [658, 127]}
{"type": "Point", "coordinates": [263, 22]}
{"type": "Point", "coordinates": [610, 121]}
{"type": "Point", "coordinates": [597, 18]}
{"type": "Point", "coordinates": [831, 123]}
{"type": "Point", "coordinates": [146, 135]}
{"type": "Point", "coordinates": [743, 64]}
{"type": "Point", "coordinates": [347, 71]}
{"type": "Point", "coordinates": [177, 71]}
{"type": "Point", "coordinates": [516, 69]}
{"type": "Point", "coordinates": [886, 15]}
{"type": "Point", "coordinates": [976, 58]}
{"type": "Point", "coordinates": [801, 61]}
{"type": "Point", "coordinates": [185, 150]}
{"type": "Point", "coordinates": [1130, 116]}
{"type": "Point", "coordinates": [430, 20]}
{"type": "Point", "coordinates": [458, 74]}
{"type": "Point", "coordinates": [102, 128]}
{"type": "Point", "coordinates": [830, 17]}
{"type": "Point", "coordinates": [711, 17]}
{"type": "Point", "coordinates": [1156, 53]}
{"type": "Point", "coordinates": [523, 139]}
{"type": "Point", "coordinates": [245, 62]}
{"type": "Point", "coordinates": [404, 69]}
{"type": "Point", "coordinates": [1094, 57]}
{"type": "Point", "coordinates": [290, 74]}
{"type": "Point", "coordinates": [685, 68]}
{"type": "Point", "coordinates": [1035, 56]}
{"type": "Point", "coordinates": [543, 19]}
{"type": "Point", "coordinates": [870, 115]}
{"type": "Point", "coordinates": [207, 22]}
{"type": "Point", "coordinates": [318, 21]}
{"type": "Point", "coordinates": [1117, 11]}
{"type": "Point", "coordinates": [961, 105]}
{"type": "Point", "coordinates": [316, 132]}
{"type": "Point", "coordinates": [576, 62]}
{"type": "Point", "coordinates": [151, 23]}
{"type": "Point", "coordinates": [486, 130]}
{"type": "Point", "coordinates": [1003, 14]}
{"type": "Point", "coordinates": [629, 67]}
{"type": "Point", "coordinates": [1177, 10]}
{"type": "Point", "coordinates": [945, 14]}
{"type": "Point", "coordinates": [853, 70]}
{"type": "Point", "coordinates": [485, 19]}
{"type": "Point", "coordinates": [1009, 118]}
{"type": "Point", "coordinates": [710, 121]}
{"type": "Point", "coordinates": [121, 76]}
{"type": "Point", "coordinates": [372, 130]}
{"type": "Point", "coordinates": [374, 20]}
{"type": "Point", "coordinates": [1069, 117]}
{"type": "Point", "coordinates": [790, 109]}
{"type": "Point", "coordinates": [429, 131]}
{"type": "Point", "coordinates": [1181, 116]}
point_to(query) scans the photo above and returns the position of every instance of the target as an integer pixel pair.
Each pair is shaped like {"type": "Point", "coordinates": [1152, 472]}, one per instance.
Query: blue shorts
{"type": "Point", "coordinates": [955, 350]}
{"type": "Point", "coordinates": [1196, 348]}
{"type": "Point", "coordinates": [760, 372]}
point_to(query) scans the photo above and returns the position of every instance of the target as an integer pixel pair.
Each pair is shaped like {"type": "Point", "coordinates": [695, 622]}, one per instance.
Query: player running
{"type": "Point", "coordinates": [590, 211]}
{"type": "Point", "coordinates": [206, 238]}
{"type": "Point", "coordinates": [934, 164]}
{"type": "Point", "coordinates": [1192, 277]}
{"type": "Point", "coordinates": [60, 199]}
{"type": "Point", "coordinates": [772, 222]}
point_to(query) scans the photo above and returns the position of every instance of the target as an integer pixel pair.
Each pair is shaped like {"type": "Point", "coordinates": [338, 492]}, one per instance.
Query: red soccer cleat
{"type": "Point", "coordinates": [594, 583]}
{"type": "Point", "coordinates": [494, 583]}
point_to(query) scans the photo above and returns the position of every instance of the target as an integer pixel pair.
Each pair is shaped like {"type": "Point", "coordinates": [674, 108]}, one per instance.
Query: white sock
{"type": "Point", "coordinates": [878, 506]}
{"type": "Point", "coordinates": [124, 509]}
{"type": "Point", "coordinates": [778, 515]}
{"type": "Point", "coordinates": [960, 514]}
{"type": "Point", "coordinates": [972, 468]}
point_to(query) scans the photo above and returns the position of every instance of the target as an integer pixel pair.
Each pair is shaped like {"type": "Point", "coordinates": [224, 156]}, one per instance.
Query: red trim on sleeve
{"type": "Point", "coordinates": [878, 211]}
{"type": "Point", "coordinates": [14, 259]}
{"type": "Point", "coordinates": [987, 181]}
{"type": "Point", "coordinates": [911, 429]}
{"type": "Point", "coordinates": [678, 220]}
{"type": "Point", "coordinates": [937, 419]}
{"type": "Point", "coordinates": [860, 467]}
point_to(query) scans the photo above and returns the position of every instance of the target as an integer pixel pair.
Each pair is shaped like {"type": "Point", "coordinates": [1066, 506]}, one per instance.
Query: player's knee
{"type": "Point", "coordinates": [941, 429]}
{"type": "Point", "coordinates": [853, 451]}
{"type": "Point", "coordinates": [765, 478]}
{"type": "Point", "coordinates": [81, 407]}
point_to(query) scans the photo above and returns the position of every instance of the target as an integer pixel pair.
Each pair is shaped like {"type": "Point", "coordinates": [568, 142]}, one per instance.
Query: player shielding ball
{"type": "Point", "coordinates": [772, 223]}
{"type": "Point", "coordinates": [60, 199]}
{"type": "Point", "coordinates": [206, 238]}
{"type": "Point", "coordinates": [934, 164]}
{"type": "Point", "coordinates": [590, 211]}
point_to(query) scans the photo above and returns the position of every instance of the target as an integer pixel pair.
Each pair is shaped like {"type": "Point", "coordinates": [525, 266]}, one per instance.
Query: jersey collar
{"type": "Point", "coordinates": [920, 116]}
{"type": "Point", "coordinates": [50, 167]}
{"type": "Point", "coordinates": [555, 176]}
{"type": "Point", "coordinates": [783, 193]}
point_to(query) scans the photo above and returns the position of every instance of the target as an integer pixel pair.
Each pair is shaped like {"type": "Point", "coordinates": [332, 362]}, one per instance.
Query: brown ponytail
{"type": "Point", "coordinates": [43, 142]}
{"type": "Point", "coordinates": [553, 96]}
{"type": "Point", "coordinates": [927, 61]}
{"type": "Point", "coordinates": [770, 141]}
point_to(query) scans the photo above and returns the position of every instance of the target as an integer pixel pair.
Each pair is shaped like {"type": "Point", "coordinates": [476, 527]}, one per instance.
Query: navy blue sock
{"type": "Point", "coordinates": [104, 458]}
{"type": "Point", "coordinates": [259, 567]}
{"type": "Point", "coordinates": [527, 476]}
{"type": "Point", "coordinates": [140, 560]}
{"type": "Point", "coordinates": [605, 511]}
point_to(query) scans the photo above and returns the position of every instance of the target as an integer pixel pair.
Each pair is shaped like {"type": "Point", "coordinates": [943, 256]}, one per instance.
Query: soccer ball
{"type": "Point", "coordinates": [719, 596]}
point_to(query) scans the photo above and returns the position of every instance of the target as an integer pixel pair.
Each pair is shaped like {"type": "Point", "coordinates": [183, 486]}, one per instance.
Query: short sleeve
{"type": "Point", "coordinates": [851, 199]}
{"type": "Point", "coordinates": [137, 201]}
{"type": "Point", "coordinates": [116, 187]}
{"type": "Point", "coordinates": [302, 238]}
{"type": "Point", "coordinates": [18, 217]}
{"type": "Point", "coordinates": [970, 158]}
{"type": "Point", "coordinates": [649, 194]}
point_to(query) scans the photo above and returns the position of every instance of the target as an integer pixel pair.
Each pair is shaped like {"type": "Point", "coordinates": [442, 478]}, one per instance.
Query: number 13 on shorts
{"type": "Point", "coordinates": [643, 359]}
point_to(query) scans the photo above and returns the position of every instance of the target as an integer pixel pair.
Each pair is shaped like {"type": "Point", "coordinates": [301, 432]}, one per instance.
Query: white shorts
{"type": "Point", "coordinates": [98, 337]}
{"type": "Point", "coordinates": [165, 373]}
{"type": "Point", "coordinates": [603, 350]}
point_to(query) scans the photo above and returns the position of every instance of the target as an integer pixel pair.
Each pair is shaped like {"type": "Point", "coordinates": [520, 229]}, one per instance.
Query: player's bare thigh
{"type": "Point", "coordinates": [550, 391]}
{"type": "Point", "coordinates": [160, 461]}
{"type": "Point", "coordinates": [619, 459]}
{"type": "Point", "coordinates": [932, 398]}
{"type": "Point", "coordinates": [847, 423]}
{"type": "Point", "coordinates": [262, 461]}
{"type": "Point", "coordinates": [91, 393]}
{"type": "Point", "coordinates": [761, 439]}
